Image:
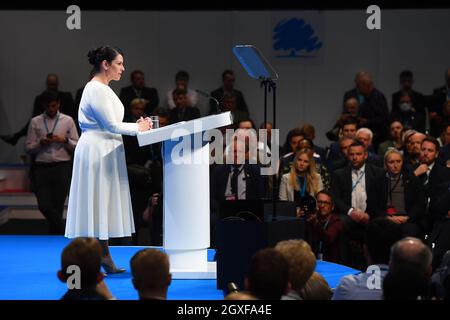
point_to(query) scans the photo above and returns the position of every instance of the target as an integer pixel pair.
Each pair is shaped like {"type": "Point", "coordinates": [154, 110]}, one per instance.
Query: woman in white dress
{"type": "Point", "coordinates": [99, 199]}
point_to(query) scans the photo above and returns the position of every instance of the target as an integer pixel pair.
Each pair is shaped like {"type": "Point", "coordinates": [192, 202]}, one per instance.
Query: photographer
{"type": "Point", "coordinates": [324, 229]}
{"type": "Point", "coordinates": [302, 182]}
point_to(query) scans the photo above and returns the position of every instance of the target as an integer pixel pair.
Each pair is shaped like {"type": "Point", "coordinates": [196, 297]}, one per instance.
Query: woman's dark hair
{"type": "Point", "coordinates": [107, 53]}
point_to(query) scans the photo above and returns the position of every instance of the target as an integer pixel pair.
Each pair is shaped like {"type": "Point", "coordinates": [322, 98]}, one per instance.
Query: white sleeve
{"type": "Point", "coordinates": [103, 110]}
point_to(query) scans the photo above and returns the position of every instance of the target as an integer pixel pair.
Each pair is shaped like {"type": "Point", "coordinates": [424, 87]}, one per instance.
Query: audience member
{"type": "Point", "coordinates": [151, 274]}
{"type": "Point", "coordinates": [182, 110]}
{"type": "Point", "coordinates": [301, 263]}
{"type": "Point", "coordinates": [229, 103]}
{"type": "Point", "coordinates": [380, 235]}
{"type": "Point", "coordinates": [181, 83]}
{"type": "Point", "coordinates": [316, 288]}
{"type": "Point", "coordinates": [365, 135]}
{"type": "Point", "coordinates": [86, 255]}
{"type": "Point", "coordinates": [373, 109]}
{"type": "Point", "coordinates": [408, 105]}
{"type": "Point", "coordinates": [334, 154]}
{"type": "Point", "coordinates": [268, 275]}
{"type": "Point", "coordinates": [413, 141]}
{"type": "Point", "coordinates": [138, 90]}
{"type": "Point", "coordinates": [228, 80]}
{"type": "Point", "coordinates": [324, 229]}
{"type": "Point", "coordinates": [436, 109]}
{"type": "Point", "coordinates": [404, 196]}
{"type": "Point", "coordinates": [395, 139]}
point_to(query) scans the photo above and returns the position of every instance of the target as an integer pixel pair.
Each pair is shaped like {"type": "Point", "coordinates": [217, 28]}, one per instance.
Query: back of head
{"type": "Point", "coordinates": [301, 261]}
{"type": "Point", "coordinates": [268, 275]}
{"type": "Point", "coordinates": [85, 253]}
{"type": "Point", "coordinates": [381, 234]}
{"type": "Point", "coordinates": [151, 270]}
{"type": "Point", "coordinates": [405, 283]}
{"type": "Point", "coordinates": [316, 288]}
{"type": "Point", "coordinates": [411, 253]}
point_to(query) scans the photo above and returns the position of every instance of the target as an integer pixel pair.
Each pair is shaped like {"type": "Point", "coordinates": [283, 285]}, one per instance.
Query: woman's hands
{"type": "Point", "coordinates": [144, 124]}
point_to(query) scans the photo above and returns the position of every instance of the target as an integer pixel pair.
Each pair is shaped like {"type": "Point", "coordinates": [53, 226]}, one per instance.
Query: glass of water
{"type": "Point", "coordinates": [155, 122]}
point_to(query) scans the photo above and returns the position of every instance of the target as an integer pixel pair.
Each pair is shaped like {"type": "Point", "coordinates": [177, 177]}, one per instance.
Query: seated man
{"type": "Point", "coordinates": [348, 129]}
{"type": "Point", "coordinates": [351, 110]}
{"type": "Point", "coordinates": [355, 190]}
{"type": "Point", "coordinates": [380, 235]}
{"type": "Point", "coordinates": [83, 257]}
{"type": "Point", "coordinates": [182, 111]}
{"type": "Point", "coordinates": [301, 262]}
{"type": "Point", "coordinates": [324, 229]}
{"type": "Point", "coordinates": [228, 80]}
{"type": "Point", "coordinates": [268, 275]}
{"type": "Point", "coordinates": [181, 83]}
{"type": "Point", "coordinates": [151, 274]}
{"type": "Point", "coordinates": [404, 196]}
{"type": "Point", "coordinates": [229, 103]}
{"type": "Point", "coordinates": [411, 155]}
{"type": "Point", "coordinates": [365, 136]}
{"type": "Point", "coordinates": [395, 139]}
{"type": "Point", "coordinates": [138, 90]}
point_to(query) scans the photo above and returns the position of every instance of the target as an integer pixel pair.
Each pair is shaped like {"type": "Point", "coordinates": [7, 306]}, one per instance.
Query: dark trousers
{"type": "Point", "coordinates": [352, 241]}
{"type": "Point", "coordinates": [51, 184]}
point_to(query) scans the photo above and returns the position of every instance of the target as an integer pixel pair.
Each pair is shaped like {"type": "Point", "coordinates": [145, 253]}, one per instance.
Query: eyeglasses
{"type": "Point", "coordinates": [324, 202]}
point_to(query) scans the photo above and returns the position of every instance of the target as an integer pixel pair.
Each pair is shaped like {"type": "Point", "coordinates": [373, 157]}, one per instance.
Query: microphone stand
{"type": "Point", "coordinates": [270, 85]}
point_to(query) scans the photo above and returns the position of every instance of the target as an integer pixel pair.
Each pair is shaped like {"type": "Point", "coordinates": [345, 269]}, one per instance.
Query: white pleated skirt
{"type": "Point", "coordinates": [99, 199]}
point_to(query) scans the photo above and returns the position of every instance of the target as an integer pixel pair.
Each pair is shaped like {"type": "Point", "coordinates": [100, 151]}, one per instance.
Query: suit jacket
{"type": "Point", "coordinates": [414, 196]}
{"type": "Point", "coordinates": [341, 188]}
{"type": "Point", "coordinates": [254, 182]}
{"type": "Point", "coordinates": [438, 183]}
{"type": "Point", "coordinates": [127, 94]}
{"type": "Point", "coordinates": [375, 110]}
{"type": "Point", "coordinates": [190, 113]}
{"type": "Point", "coordinates": [218, 94]}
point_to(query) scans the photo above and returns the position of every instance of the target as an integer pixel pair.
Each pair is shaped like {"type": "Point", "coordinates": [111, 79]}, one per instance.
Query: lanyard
{"type": "Point", "coordinates": [302, 190]}
{"type": "Point", "coordinates": [358, 181]}
{"type": "Point", "coordinates": [319, 252]}
{"type": "Point", "coordinates": [54, 126]}
{"type": "Point", "coordinates": [392, 188]}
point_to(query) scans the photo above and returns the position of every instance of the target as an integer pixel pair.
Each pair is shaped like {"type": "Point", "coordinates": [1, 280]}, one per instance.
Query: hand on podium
{"type": "Point", "coordinates": [144, 124]}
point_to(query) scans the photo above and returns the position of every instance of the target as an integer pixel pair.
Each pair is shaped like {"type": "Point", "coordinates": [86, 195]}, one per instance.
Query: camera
{"type": "Point", "coordinates": [307, 204]}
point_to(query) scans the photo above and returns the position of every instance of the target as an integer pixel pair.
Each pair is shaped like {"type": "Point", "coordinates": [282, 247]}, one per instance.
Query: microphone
{"type": "Point", "coordinates": [207, 95]}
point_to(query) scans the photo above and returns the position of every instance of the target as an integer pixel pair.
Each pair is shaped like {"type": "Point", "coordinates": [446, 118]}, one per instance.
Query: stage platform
{"type": "Point", "coordinates": [28, 266]}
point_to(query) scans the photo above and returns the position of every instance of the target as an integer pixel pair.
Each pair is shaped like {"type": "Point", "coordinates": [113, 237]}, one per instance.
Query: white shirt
{"type": "Point", "coordinates": [242, 187]}
{"type": "Point", "coordinates": [359, 194]}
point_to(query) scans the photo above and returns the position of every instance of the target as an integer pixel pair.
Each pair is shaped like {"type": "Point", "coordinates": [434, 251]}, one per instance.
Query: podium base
{"type": "Point", "coordinates": [210, 273]}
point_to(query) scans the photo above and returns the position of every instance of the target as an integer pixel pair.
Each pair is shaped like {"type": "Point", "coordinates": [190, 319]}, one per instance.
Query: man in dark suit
{"type": "Point", "coordinates": [404, 196]}
{"type": "Point", "coordinates": [228, 80]}
{"type": "Point", "coordinates": [66, 102]}
{"type": "Point", "coordinates": [139, 90]}
{"type": "Point", "coordinates": [182, 111]}
{"type": "Point", "coordinates": [356, 191]}
{"type": "Point", "coordinates": [438, 99]}
{"type": "Point", "coordinates": [373, 109]}
{"type": "Point", "coordinates": [433, 176]}
{"type": "Point", "coordinates": [408, 104]}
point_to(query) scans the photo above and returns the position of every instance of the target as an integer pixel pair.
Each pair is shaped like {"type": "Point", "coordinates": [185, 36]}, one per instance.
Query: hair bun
{"type": "Point", "coordinates": [94, 56]}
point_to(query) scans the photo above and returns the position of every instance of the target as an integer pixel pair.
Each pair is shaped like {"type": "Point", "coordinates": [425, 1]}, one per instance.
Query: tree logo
{"type": "Point", "coordinates": [297, 37]}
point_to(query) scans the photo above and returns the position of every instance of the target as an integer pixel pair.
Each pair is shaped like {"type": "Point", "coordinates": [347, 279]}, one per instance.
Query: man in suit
{"type": "Point", "coordinates": [408, 103]}
{"type": "Point", "coordinates": [438, 99]}
{"type": "Point", "coordinates": [365, 136]}
{"type": "Point", "coordinates": [356, 190]}
{"type": "Point", "coordinates": [66, 102]}
{"type": "Point", "coordinates": [182, 111]}
{"type": "Point", "coordinates": [348, 129]}
{"type": "Point", "coordinates": [404, 196]}
{"type": "Point", "coordinates": [228, 80]}
{"type": "Point", "coordinates": [373, 109]}
{"type": "Point", "coordinates": [433, 176]}
{"type": "Point", "coordinates": [140, 91]}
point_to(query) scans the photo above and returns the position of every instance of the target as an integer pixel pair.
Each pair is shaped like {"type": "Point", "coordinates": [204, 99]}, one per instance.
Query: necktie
{"type": "Point", "coordinates": [234, 181]}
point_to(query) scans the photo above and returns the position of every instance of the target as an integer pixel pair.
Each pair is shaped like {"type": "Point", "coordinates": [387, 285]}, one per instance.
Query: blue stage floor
{"type": "Point", "coordinates": [28, 266]}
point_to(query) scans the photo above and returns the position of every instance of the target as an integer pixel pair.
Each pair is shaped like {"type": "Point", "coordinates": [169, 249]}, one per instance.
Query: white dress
{"type": "Point", "coordinates": [99, 199]}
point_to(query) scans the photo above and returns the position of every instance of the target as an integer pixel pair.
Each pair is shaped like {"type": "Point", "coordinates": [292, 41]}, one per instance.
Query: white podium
{"type": "Point", "coordinates": [186, 221]}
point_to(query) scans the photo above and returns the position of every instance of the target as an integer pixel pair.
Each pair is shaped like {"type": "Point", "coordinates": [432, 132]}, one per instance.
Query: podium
{"type": "Point", "coordinates": [186, 219]}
